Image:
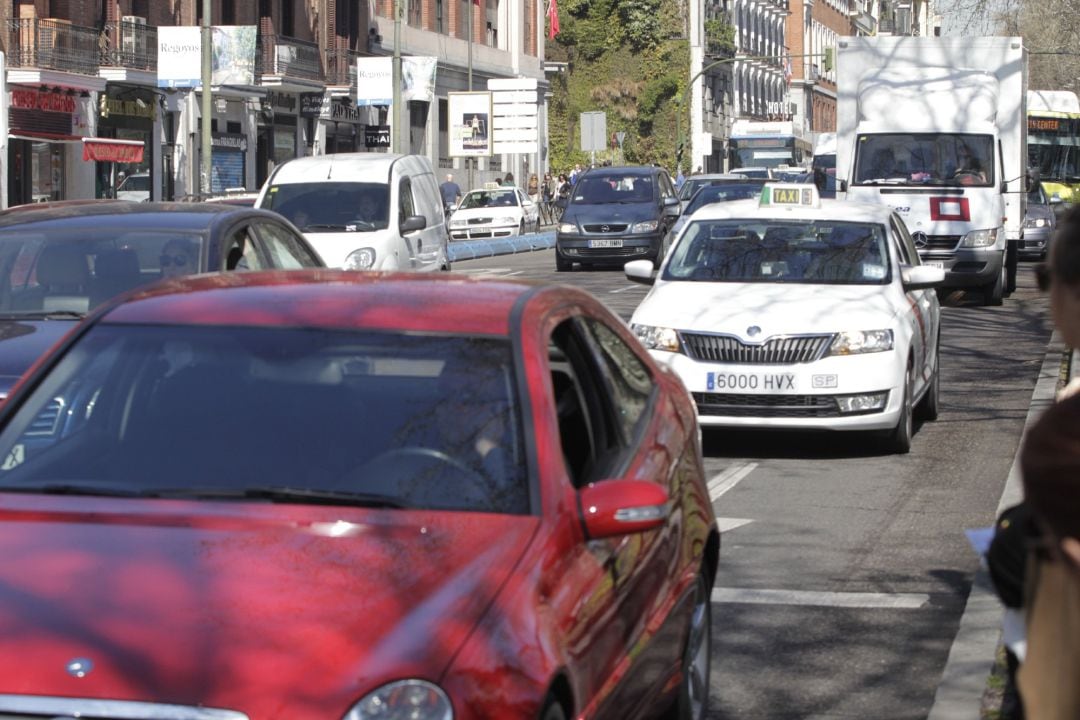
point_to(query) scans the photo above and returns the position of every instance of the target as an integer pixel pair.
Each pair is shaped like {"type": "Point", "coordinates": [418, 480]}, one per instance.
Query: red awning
{"type": "Point", "coordinates": [110, 150]}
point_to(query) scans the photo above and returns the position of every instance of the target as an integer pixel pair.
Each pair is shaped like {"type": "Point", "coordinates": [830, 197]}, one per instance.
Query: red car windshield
{"type": "Point", "coordinates": [275, 414]}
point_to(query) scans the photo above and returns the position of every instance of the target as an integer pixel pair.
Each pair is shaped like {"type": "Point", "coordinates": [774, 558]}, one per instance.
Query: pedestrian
{"type": "Point", "coordinates": [533, 188]}
{"type": "Point", "coordinates": [575, 174]}
{"type": "Point", "coordinates": [451, 193]}
{"type": "Point", "coordinates": [679, 179]}
{"type": "Point", "coordinates": [509, 179]}
{"type": "Point", "coordinates": [547, 195]}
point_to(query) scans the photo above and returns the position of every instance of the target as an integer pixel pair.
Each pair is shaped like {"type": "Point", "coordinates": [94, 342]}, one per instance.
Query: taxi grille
{"type": "Point", "coordinates": [40, 707]}
{"type": "Point", "coordinates": [766, 406]}
{"type": "Point", "coordinates": [774, 351]}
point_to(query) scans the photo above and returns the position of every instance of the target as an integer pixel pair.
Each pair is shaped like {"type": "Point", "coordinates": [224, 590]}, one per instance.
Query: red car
{"type": "Point", "coordinates": [327, 494]}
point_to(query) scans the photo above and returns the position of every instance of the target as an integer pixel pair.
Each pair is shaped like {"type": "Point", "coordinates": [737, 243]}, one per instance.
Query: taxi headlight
{"type": "Point", "coordinates": [647, 226]}
{"type": "Point", "coordinates": [459, 223]}
{"type": "Point", "coordinates": [505, 221]}
{"type": "Point", "coordinates": [861, 341]}
{"type": "Point", "coordinates": [657, 338]}
{"type": "Point", "coordinates": [566, 228]}
{"type": "Point", "coordinates": [403, 700]}
{"type": "Point", "coordinates": [862, 403]}
{"type": "Point", "coordinates": [361, 259]}
{"type": "Point", "coordinates": [1035, 222]}
{"type": "Point", "coordinates": [981, 238]}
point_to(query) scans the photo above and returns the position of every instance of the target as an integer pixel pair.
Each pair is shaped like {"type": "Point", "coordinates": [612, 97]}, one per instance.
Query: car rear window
{"type": "Point", "coordinates": [422, 421]}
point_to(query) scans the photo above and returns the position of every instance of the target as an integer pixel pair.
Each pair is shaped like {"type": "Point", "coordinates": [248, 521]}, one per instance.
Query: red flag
{"type": "Point", "coordinates": [553, 19]}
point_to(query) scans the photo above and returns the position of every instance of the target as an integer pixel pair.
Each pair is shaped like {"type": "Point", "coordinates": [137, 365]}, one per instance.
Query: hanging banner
{"type": "Point", "coordinates": [179, 56]}
{"type": "Point", "coordinates": [469, 115]}
{"type": "Point", "coordinates": [418, 78]}
{"type": "Point", "coordinates": [120, 151]}
{"type": "Point", "coordinates": [374, 81]}
{"type": "Point", "coordinates": [234, 55]}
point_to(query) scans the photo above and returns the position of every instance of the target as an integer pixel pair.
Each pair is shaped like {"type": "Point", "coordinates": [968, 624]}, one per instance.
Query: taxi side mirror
{"type": "Point", "coordinates": [921, 277]}
{"type": "Point", "coordinates": [640, 271]}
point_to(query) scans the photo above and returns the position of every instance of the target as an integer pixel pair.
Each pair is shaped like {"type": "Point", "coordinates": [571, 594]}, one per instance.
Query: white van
{"type": "Point", "coordinates": [364, 211]}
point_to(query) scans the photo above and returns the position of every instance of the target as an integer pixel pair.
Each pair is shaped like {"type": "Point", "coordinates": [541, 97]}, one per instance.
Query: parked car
{"type": "Point", "coordinates": [135, 187]}
{"type": "Point", "coordinates": [616, 214]}
{"type": "Point", "coordinates": [1039, 223]}
{"type": "Point", "coordinates": [60, 262]}
{"type": "Point", "coordinates": [364, 211]}
{"type": "Point", "coordinates": [408, 496]}
{"type": "Point", "coordinates": [496, 212]}
{"type": "Point", "coordinates": [794, 312]}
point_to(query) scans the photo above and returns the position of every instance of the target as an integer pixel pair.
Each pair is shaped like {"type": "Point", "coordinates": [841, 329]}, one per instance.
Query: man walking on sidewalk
{"type": "Point", "coordinates": [451, 193]}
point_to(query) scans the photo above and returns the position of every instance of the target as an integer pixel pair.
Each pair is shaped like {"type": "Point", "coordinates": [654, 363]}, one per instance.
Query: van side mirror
{"type": "Point", "coordinates": [413, 223]}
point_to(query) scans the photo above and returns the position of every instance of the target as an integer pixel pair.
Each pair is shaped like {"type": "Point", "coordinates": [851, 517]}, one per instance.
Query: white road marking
{"type": "Point", "coordinates": [726, 524]}
{"type": "Point", "coordinates": [813, 598]}
{"type": "Point", "coordinates": [729, 478]}
{"type": "Point", "coordinates": [624, 289]}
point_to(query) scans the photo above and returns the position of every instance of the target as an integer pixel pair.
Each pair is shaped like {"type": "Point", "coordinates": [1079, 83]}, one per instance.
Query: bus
{"type": "Point", "coordinates": [772, 144]}
{"type": "Point", "coordinates": [1053, 118]}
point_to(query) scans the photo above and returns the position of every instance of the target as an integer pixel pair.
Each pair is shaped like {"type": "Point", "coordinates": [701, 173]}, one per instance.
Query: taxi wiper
{"type": "Point", "coordinates": [281, 494]}
{"type": "Point", "coordinates": [44, 315]}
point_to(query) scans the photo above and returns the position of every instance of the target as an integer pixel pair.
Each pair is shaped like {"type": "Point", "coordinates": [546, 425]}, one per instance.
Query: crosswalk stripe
{"type": "Point", "coordinates": [729, 478]}
{"type": "Point", "coordinates": [816, 598]}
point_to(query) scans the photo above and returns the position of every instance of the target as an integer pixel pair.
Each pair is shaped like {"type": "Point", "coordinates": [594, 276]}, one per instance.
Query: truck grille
{"type": "Point", "coordinates": [774, 351]}
{"type": "Point", "coordinates": [941, 243]}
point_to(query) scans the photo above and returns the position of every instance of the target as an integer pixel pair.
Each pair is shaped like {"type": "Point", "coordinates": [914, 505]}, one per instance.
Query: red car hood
{"type": "Point", "coordinates": [272, 610]}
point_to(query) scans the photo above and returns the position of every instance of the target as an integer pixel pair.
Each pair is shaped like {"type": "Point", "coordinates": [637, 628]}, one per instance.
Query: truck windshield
{"type": "Point", "coordinates": [924, 159]}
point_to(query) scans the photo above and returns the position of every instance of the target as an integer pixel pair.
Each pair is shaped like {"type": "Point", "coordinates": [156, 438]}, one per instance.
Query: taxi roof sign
{"type": "Point", "coordinates": [790, 195]}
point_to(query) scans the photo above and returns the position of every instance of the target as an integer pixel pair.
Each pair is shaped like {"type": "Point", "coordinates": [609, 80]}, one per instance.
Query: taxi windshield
{"type": "Point", "coordinates": [489, 198]}
{"type": "Point", "coordinates": [755, 251]}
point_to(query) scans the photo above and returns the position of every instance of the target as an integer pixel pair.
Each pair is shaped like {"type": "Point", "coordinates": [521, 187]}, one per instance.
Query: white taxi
{"type": "Point", "coordinates": [789, 311]}
{"type": "Point", "coordinates": [494, 212]}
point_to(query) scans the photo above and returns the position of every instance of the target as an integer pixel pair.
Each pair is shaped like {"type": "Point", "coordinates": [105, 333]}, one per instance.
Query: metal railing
{"type": "Point", "coordinates": [341, 66]}
{"type": "Point", "coordinates": [52, 44]}
{"type": "Point", "coordinates": [129, 45]}
{"type": "Point", "coordinates": [290, 57]}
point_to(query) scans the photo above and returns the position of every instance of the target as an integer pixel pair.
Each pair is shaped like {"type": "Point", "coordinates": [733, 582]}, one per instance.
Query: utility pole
{"type": "Point", "coordinates": [470, 161]}
{"type": "Point", "coordinates": [207, 76]}
{"type": "Point", "coordinates": [398, 132]}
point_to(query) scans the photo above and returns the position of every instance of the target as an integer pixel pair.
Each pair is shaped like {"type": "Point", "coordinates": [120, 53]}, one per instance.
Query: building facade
{"type": "Point", "coordinates": [88, 115]}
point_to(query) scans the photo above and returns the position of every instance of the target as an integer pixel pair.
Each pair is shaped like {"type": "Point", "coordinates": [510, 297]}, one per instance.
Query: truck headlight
{"type": "Point", "coordinates": [647, 226]}
{"type": "Point", "coordinates": [981, 238]}
{"type": "Point", "coordinates": [403, 700]}
{"type": "Point", "coordinates": [361, 259]}
{"type": "Point", "coordinates": [567, 228]}
{"type": "Point", "coordinates": [657, 338]}
{"type": "Point", "coordinates": [861, 341]}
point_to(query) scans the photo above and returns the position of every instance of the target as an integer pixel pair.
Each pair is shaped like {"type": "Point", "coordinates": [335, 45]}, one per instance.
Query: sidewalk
{"type": "Point", "coordinates": [974, 651]}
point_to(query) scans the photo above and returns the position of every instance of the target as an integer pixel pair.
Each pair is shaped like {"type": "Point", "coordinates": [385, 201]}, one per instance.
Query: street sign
{"type": "Point", "coordinates": [514, 123]}
{"type": "Point", "coordinates": [593, 131]}
{"type": "Point", "coordinates": [621, 137]}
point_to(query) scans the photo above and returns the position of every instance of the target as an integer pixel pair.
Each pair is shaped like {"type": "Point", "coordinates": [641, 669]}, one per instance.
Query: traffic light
{"type": "Point", "coordinates": [828, 60]}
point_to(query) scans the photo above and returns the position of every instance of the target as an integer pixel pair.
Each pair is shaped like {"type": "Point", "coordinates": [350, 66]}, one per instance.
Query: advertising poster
{"type": "Point", "coordinates": [180, 56]}
{"type": "Point", "coordinates": [418, 78]}
{"type": "Point", "coordinates": [470, 123]}
{"type": "Point", "coordinates": [374, 81]}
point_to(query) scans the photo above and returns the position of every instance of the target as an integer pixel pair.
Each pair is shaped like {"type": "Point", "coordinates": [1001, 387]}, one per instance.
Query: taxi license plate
{"type": "Point", "coordinates": [606, 243]}
{"type": "Point", "coordinates": [749, 382]}
{"type": "Point", "coordinates": [934, 264]}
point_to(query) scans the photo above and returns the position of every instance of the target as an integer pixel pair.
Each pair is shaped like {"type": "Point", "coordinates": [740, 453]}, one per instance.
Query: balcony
{"type": "Point", "coordinates": [341, 67]}
{"type": "Point", "coordinates": [290, 58]}
{"type": "Point", "coordinates": [129, 45]}
{"type": "Point", "coordinates": [51, 44]}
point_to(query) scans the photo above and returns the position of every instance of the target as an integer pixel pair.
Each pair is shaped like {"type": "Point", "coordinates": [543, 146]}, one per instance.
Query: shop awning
{"type": "Point", "coordinates": [112, 150]}
{"type": "Point", "coordinates": [38, 136]}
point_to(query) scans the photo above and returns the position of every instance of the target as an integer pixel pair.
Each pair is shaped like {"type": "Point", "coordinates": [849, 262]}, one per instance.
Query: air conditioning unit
{"type": "Point", "coordinates": [133, 36]}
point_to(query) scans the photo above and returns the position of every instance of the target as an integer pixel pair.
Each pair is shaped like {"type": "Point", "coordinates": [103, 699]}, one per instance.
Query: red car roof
{"type": "Point", "coordinates": [329, 298]}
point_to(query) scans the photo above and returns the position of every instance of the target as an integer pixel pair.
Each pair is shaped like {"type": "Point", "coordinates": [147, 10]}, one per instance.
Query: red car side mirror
{"type": "Point", "coordinates": [621, 507]}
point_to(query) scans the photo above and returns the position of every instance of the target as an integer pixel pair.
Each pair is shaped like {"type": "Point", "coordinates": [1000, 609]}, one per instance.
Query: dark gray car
{"type": "Point", "coordinates": [616, 214]}
{"type": "Point", "coordinates": [58, 263]}
{"type": "Point", "coordinates": [1039, 224]}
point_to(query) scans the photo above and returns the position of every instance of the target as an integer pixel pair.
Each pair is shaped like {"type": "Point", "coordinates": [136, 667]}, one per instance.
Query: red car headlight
{"type": "Point", "coordinates": [403, 700]}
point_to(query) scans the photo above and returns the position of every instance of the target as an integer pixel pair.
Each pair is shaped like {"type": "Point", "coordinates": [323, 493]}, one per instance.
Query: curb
{"type": "Point", "coordinates": [459, 250]}
{"type": "Point", "coordinates": [974, 650]}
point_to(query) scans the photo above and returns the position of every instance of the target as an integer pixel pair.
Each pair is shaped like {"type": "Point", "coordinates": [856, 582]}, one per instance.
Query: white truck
{"type": "Point", "coordinates": [936, 128]}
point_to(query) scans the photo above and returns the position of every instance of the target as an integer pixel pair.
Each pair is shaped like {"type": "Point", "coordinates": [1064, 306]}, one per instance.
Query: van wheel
{"type": "Point", "coordinates": [562, 265]}
{"type": "Point", "coordinates": [994, 292]}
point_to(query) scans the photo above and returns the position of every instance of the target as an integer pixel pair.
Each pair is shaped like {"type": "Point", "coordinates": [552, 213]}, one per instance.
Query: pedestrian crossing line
{"type": "Point", "coordinates": [726, 524]}
{"type": "Point", "coordinates": [729, 478]}
{"type": "Point", "coordinates": [817, 598]}
{"type": "Point", "coordinates": [627, 288]}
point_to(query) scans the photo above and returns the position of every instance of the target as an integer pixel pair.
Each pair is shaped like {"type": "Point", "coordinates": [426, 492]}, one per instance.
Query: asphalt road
{"type": "Point", "coordinates": [844, 571]}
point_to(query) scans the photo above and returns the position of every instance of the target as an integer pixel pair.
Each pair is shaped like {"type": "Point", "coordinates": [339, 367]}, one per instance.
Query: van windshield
{"type": "Point", "coordinates": [604, 189]}
{"type": "Point", "coordinates": [924, 159]}
{"type": "Point", "coordinates": [332, 206]}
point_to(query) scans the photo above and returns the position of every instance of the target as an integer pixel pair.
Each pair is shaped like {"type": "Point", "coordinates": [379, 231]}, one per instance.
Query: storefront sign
{"type": "Point", "coordinates": [377, 136]}
{"type": "Point", "coordinates": [311, 104]}
{"type": "Point", "coordinates": [228, 142]}
{"type": "Point", "coordinates": [112, 151]}
{"type": "Point", "coordinates": [341, 111]}
{"type": "Point", "coordinates": [281, 101]}
{"type": "Point", "coordinates": [30, 99]}
{"type": "Point", "coordinates": [127, 108]}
